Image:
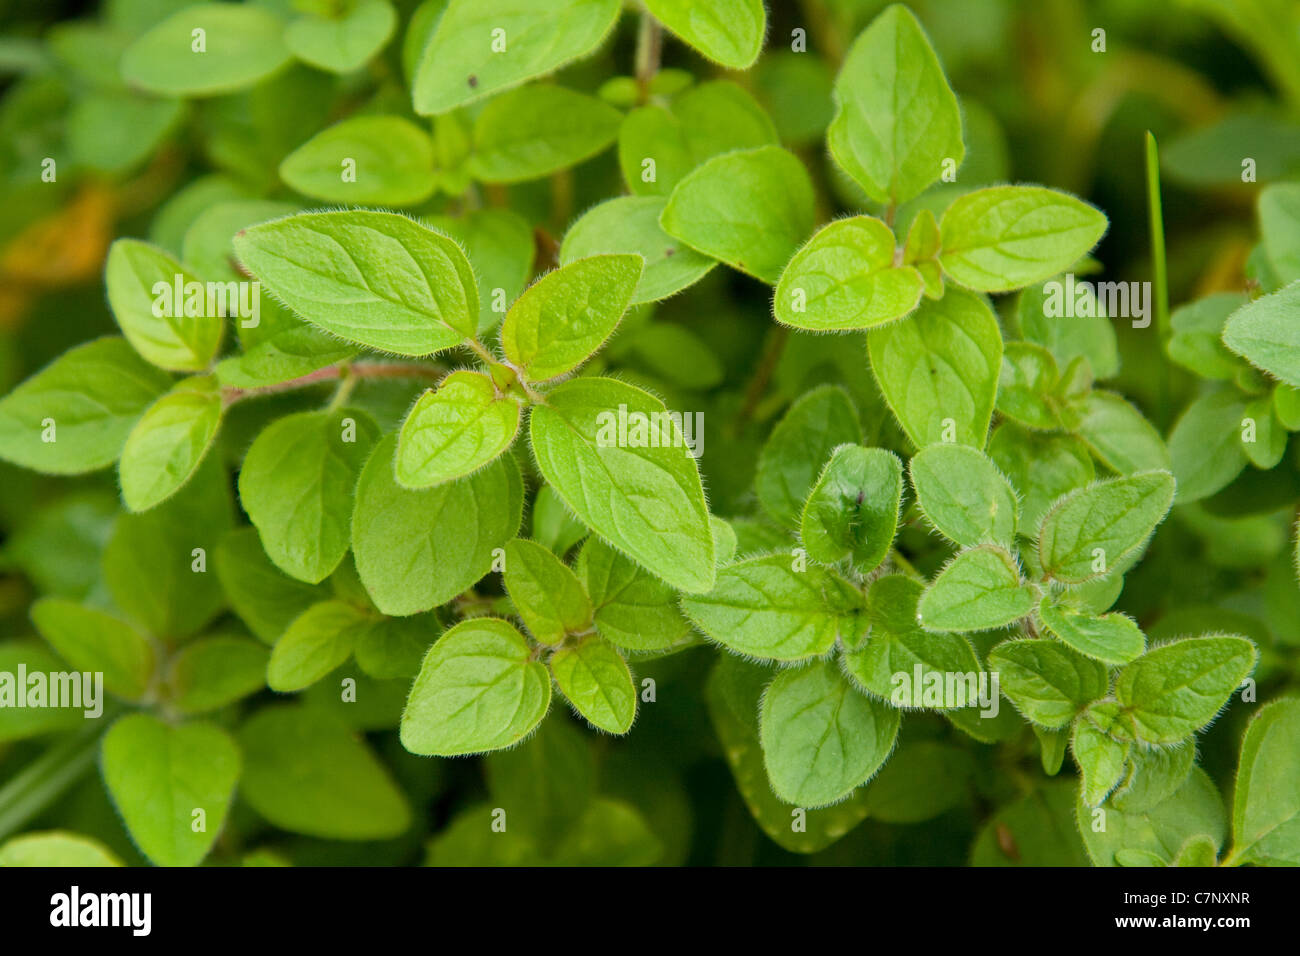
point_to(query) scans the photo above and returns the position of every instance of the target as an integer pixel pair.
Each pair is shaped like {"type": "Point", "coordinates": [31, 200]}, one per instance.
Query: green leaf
{"type": "Point", "coordinates": [55, 848]}
{"type": "Point", "coordinates": [729, 32]}
{"type": "Point", "coordinates": [795, 453]}
{"type": "Point", "coordinates": [318, 640]}
{"type": "Point", "coordinates": [306, 772]}
{"type": "Point", "coordinates": [1090, 532]}
{"type": "Point", "coordinates": [1118, 434]}
{"type": "Point", "coordinates": [921, 781]}
{"type": "Point", "coordinates": [264, 597]}
{"type": "Point", "coordinates": [379, 160]}
{"type": "Point", "coordinates": [630, 225]}
{"type": "Point", "coordinates": [844, 277]}
{"type": "Point", "coordinates": [1048, 682]}
{"type": "Point", "coordinates": [821, 738]}
{"type": "Point", "coordinates": [455, 430]}
{"type": "Point", "coordinates": [392, 648]}
{"type": "Point", "coordinates": [939, 369]}
{"type": "Point", "coordinates": [548, 596]}
{"type": "Point", "coordinates": [1279, 228]}
{"type": "Point", "coordinates": [1006, 237]}
{"type": "Point", "coordinates": [479, 689]}
{"type": "Point", "coordinates": [211, 672]}
{"type": "Point", "coordinates": [634, 610]}
{"type": "Point", "coordinates": [595, 679]}
{"type": "Point", "coordinates": [241, 45]}
{"type": "Point", "coordinates": [657, 148]}
{"type": "Point", "coordinates": [75, 414]}
{"type": "Point", "coordinates": [1195, 810]}
{"type": "Point", "coordinates": [1196, 342]}
{"type": "Point", "coordinates": [282, 356]}
{"type": "Point", "coordinates": [1176, 689]}
{"type": "Point", "coordinates": [565, 317]}
{"type": "Point", "coordinates": [1155, 774]}
{"type": "Point", "coordinates": [1033, 830]}
{"type": "Point", "coordinates": [852, 511]}
{"type": "Point", "coordinates": [645, 499]}
{"type": "Point", "coordinates": [296, 485]}
{"type": "Point", "coordinates": [1205, 446]}
{"type": "Point", "coordinates": [766, 608]}
{"type": "Point", "coordinates": [465, 60]}
{"type": "Point", "coordinates": [1263, 437]}
{"type": "Point", "coordinates": [537, 130]}
{"type": "Point", "coordinates": [1264, 333]}
{"type": "Point", "coordinates": [345, 43]}
{"type": "Point", "coordinates": [750, 208]}
{"type": "Point", "coordinates": [169, 441]}
{"type": "Point", "coordinates": [1041, 466]}
{"type": "Point", "coordinates": [896, 119]}
{"type": "Point", "coordinates": [1050, 315]}
{"type": "Point", "coordinates": [418, 549]}
{"type": "Point", "coordinates": [1027, 387]}
{"type": "Point", "coordinates": [904, 664]}
{"type": "Point", "coordinates": [609, 833]}
{"type": "Point", "coordinates": [500, 244]}
{"type": "Point", "coordinates": [374, 278]}
{"type": "Point", "coordinates": [964, 495]}
{"type": "Point", "coordinates": [96, 642]}
{"type": "Point", "coordinates": [176, 332]}
{"type": "Point", "coordinates": [1266, 806]}
{"type": "Point", "coordinates": [21, 723]}
{"type": "Point", "coordinates": [172, 785]}
{"type": "Point", "coordinates": [1101, 761]}
{"type": "Point", "coordinates": [1111, 638]}
{"type": "Point", "coordinates": [553, 525]}
{"type": "Point", "coordinates": [545, 783]}
{"type": "Point", "coordinates": [979, 590]}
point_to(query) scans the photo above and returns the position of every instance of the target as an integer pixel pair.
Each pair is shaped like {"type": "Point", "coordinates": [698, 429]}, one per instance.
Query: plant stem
{"type": "Point", "coordinates": [1160, 268]}
{"type": "Point", "coordinates": [48, 777]}
{"type": "Point", "coordinates": [763, 374]}
{"type": "Point", "coordinates": [355, 372]}
{"type": "Point", "coordinates": [649, 48]}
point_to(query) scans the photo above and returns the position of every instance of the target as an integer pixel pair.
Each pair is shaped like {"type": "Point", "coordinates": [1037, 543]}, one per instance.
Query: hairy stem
{"type": "Point", "coordinates": [356, 372]}
{"type": "Point", "coordinates": [649, 48]}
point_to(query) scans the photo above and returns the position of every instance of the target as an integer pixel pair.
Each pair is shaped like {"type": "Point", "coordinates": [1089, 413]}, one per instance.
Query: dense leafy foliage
{"type": "Point", "coordinates": [472, 384]}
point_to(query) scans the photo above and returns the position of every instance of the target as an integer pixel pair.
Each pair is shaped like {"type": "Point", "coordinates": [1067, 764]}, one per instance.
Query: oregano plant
{"type": "Point", "coordinates": [484, 432]}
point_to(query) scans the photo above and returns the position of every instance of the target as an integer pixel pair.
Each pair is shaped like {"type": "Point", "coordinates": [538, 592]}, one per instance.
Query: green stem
{"type": "Point", "coordinates": [763, 374]}
{"type": "Point", "coordinates": [355, 372]}
{"type": "Point", "coordinates": [1160, 268]}
{"type": "Point", "coordinates": [49, 776]}
{"type": "Point", "coordinates": [649, 48]}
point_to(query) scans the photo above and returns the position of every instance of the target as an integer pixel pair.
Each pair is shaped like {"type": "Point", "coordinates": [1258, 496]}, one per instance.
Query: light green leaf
{"type": "Point", "coordinates": [939, 369]}
{"type": "Point", "coordinates": [461, 64]}
{"type": "Point", "coordinates": [634, 610]}
{"type": "Point", "coordinates": [1205, 446]}
{"type": "Point", "coordinates": [1263, 437]}
{"type": "Point", "coordinates": [595, 679]}
{"type": "Point", "coordinates": [500, 244]}
{"type": "Point", "coordinates": [1112, 638]}
{"type": "Point", "coordinates": [319, 640]}
{"type": "Point", "coordinates": [1118, 434]}
{"type": "Point", "coordinates": [1195, 810]}
{"type": "Point", "coordinates": [904, 664]}
{"type": "Point", "coordinates": [844, 277]}
{"type": "Point", "coordinates": [765, 608]}
{"type": "Point", "coordinates": [1049, 683]}
{"type": "Point", "coordinates": [379, 160]}
{"type": "Point", "coordinates": [964, 495]}
{"type": "Point", "coordinates": [1279, 228]}
{"type": "Point", "coordinates": [96, 642]}
{"type": "Point", "coordinates": [1196, 342]}
{"type": "Point", "coordinates": [306, 772]}
{"type": "Point", "coordinates": [630, 225]}
{"type": "Point", "coordinates": [896, 119]}
{"type": "Point", "coordinates": [1028, 386]}
{"type": "Point", "coordinates": [750, 208]}
{"type": "Point", "coordinates": [242, 44]}
{"type": "Point", "coordinates": [292, 352]}
{"type": "Point", "coordinates": [1006, 237]}
{"type": "Point", "coordinates": [21, 723]}
{"type": "Point", "coordinates": [169, 442]}
{"type": "Point", "coordinates": [160, 775]}
{"type": "Point", "coordinates": [729, 32]}
{"type": "Point", "coordinates": [1155, 774]}
{"type": "Point", "coordinates": [1090, 532]}
{"type": "Point", "coordinates": [979, 590]}
{"type": "Point", "coordinates": [296, 485]}
{"type": "Point", "coordinates": [852, 511]}
{"type": "Point", "coordinates": [548, 596]}
{"type": "Point", "coordinates": [1264, 333]}
{"type": "Point", "coordinates": [822, 738]}
{"type": "Point", "coordinates": [479, 689]}
{"type": "Point", "coordinates": [1101, 761]}
{"type": "Point", "coordinates": [646, 499]}
{"type": "Point", "coordinates": [1041, 466]}
{"type": "Point", "coordinates": [392, 648]}
{"type": "Point", "coordinates": [1266, 807]}
{"type": "Point", "coordinates": [418, 549]}
{"type": "Point", "coordinates": [211, 672]}
{"type": "Point", "coordinates": [455, 430]}
{"type": "Point", "coordinates": [344, 43]}
{"type": "Point", "coordinates": [264, 597]}
{"type": "Point", "coordinates": [374, 278]}
{"type": "Point", "coordinates": [86, 402]}
{"type": "Point", "coordinates": [176, 332]}
{"type": "Point", "coordinates": [1176, 689]}
{"type": "Point", "coordinates": [537, 130]}
{"type": "Point", "coordinates": [55, 848]}
{"type": "Point", "coordinates": [553, 525]}
{"type": "Point", "coordinates": [795, 453]}
{"type": "Point", "coordinates": [1050, 315]}
{"type": "Point", "coordinates": [565, 317]}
